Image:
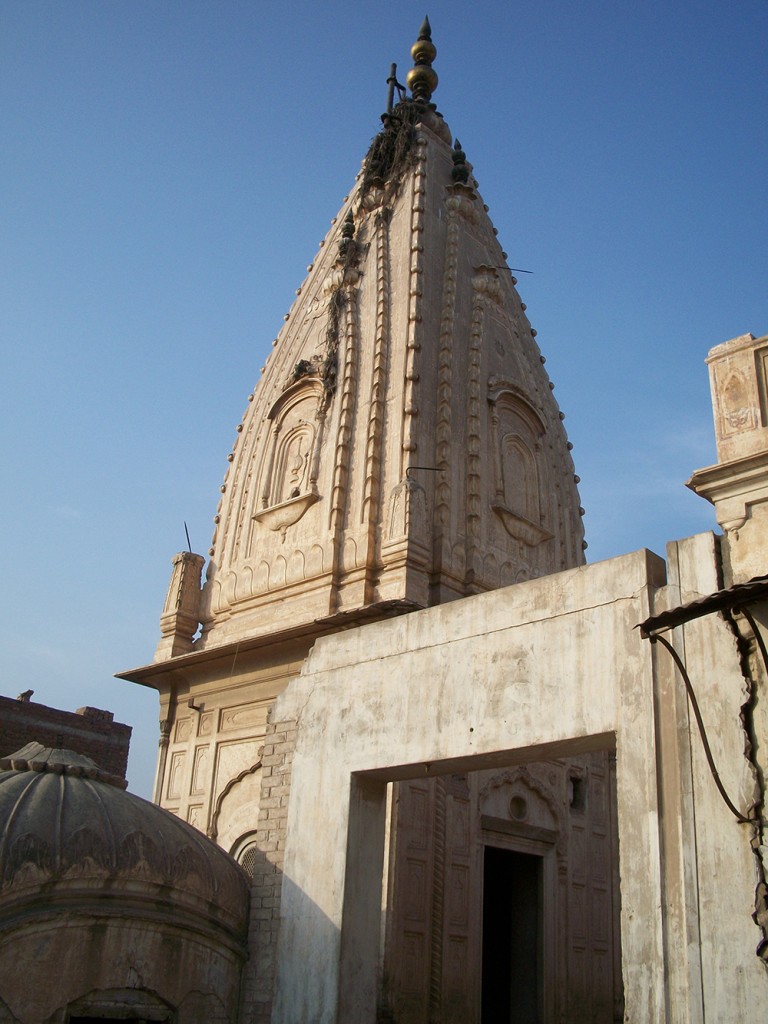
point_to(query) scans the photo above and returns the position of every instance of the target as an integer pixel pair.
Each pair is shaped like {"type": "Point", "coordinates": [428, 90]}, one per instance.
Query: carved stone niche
{"type": "Point", "coordinates": [289, 485]}
{"type": "Point", "coordinates": [517, 433]}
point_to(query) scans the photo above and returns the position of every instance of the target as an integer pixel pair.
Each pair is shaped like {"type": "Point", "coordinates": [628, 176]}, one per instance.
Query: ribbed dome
{"type": "Point", "coordinates": [68, 829]}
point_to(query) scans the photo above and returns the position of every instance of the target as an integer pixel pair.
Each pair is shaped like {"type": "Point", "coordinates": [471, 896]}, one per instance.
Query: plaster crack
{"type": "Point", "coordinates": [746, 649]}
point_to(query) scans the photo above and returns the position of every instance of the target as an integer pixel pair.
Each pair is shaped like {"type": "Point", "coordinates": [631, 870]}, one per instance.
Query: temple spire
{"type": "Point", "coordinates": [422, 79]}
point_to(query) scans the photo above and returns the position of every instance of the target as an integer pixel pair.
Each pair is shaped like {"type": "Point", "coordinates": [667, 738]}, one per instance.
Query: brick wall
{"type": "Point", "coordinates": [88, 731]}
{"type": "Point", "coordinates": [259, 973]}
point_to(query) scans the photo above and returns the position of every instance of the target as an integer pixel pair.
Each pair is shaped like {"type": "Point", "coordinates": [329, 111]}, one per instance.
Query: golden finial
{"type": "Point", "coordinates": [421, 79]}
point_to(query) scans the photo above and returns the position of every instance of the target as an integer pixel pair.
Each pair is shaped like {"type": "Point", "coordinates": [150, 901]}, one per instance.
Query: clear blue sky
{"type": "Point", "coordinates": [167, 171]}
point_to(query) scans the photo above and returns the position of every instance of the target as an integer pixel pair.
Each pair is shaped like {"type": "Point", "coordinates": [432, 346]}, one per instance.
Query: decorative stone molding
{"type": "Point", "coordinates": [165, 732]}
{"type": "Point", "coordinates": [498, 386]}
{"type": "Point", "coordinates": [522, 781]}
{"type": "Point", "coordinates": [373, 198]}
{"type": "Point", "coordinates": [473, 429]}
{"type": "Point", "coordinates": [463, 200]}
{"type": "Point", "coordinates": [340, 277]}
{"type": "Point", "coordinates": [734, 489]}
{"type": "Point", "coordinates": [520, 528]}
{"type": "Point", "coordinates": [213, 830]}
{"type": "Point", "coordinates": [455, 202]}
{"type": "Point", "coordinates": [415, 291]}
{"type": "Point", "coordinates": [408, 510]}
{"type": "Point", "coordinates": [486, 282]}
{"type": "Point", "coordinates": [371, 509]}
{"type": "Point", "coordinates": [280, 517]}
{"type": "Point", "coordinates": [339, 493]}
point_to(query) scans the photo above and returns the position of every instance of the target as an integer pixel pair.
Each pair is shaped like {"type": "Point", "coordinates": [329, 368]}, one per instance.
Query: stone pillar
{"type": "Point", "coordinates": [181, 613]}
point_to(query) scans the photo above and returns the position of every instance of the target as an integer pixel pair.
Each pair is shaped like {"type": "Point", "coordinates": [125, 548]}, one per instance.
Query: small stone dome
{"type": "Point", "coordinates": [69, 830]}
{"type": "Point", "coordinates": [113, 907]}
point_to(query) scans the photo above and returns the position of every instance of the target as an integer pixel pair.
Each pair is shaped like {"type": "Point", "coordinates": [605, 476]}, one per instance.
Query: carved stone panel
{"type": "Point", "coordinates": [517, 433]}
{"type": "Point", "coordinates": [200, 771]}
{"type": "Point", "coordinates": [183, 730]}
{"type": "Point", "coordinates": [738, 378]}
{"type": "Point", "coordinates": [737, 410]}
{"type": "Point", "coordinates": [173, 791]}
{"type": "Point", "coordinates": [205, 723]}
{"type": "Point", "coordinates": [245, 716]}
{"type": "Point", "coordinates": [195, 816]}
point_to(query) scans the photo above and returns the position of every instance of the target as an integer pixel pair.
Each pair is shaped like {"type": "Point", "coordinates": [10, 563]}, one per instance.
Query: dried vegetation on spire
{"type": "Point", "coordinates": [388, 157]}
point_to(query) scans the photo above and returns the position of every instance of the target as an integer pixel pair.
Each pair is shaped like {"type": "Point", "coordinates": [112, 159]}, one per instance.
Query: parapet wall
{"type": "Point", "coordinates": [88, 731]}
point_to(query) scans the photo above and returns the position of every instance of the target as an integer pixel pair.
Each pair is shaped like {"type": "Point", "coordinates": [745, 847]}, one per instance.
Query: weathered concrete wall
{"type": "Point", "coordinates": [545, 668]}
{"type": "Point", "coordinates": [717, 853]}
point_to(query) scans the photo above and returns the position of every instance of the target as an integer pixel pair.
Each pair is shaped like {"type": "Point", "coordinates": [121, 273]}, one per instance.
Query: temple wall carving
{"type": "Point", "coordinates": [213, 767]}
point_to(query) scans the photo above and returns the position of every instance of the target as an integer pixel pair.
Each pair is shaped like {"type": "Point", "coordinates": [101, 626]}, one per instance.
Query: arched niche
{"type": "Point", "coordinates": [237, 808]}
{"type": "Point", "coordinates": [246, 852]}
{"type": "Point", "coordinates": [739, 414]}
{"type": "Point", "coordinates": [289, 481]}
{"type": "Point", "coordinates": [517, 432]}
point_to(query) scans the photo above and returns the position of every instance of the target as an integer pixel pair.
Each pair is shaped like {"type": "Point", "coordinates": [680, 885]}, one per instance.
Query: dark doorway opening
{"type": "Point", "coordinates": [512, 989]}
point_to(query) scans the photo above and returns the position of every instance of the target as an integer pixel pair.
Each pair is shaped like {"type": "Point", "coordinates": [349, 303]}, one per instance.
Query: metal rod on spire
{"type": "Point", "coordinates": [391, 82]}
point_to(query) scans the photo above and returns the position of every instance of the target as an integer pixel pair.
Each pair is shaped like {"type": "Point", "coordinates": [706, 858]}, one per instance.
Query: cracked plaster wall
{"type": "Point", "coordinates": [545, 667]}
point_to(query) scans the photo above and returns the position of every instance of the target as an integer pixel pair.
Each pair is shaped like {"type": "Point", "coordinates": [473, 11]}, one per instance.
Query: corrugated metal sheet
{"type": "Point", "coordinates": [733, 597]}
